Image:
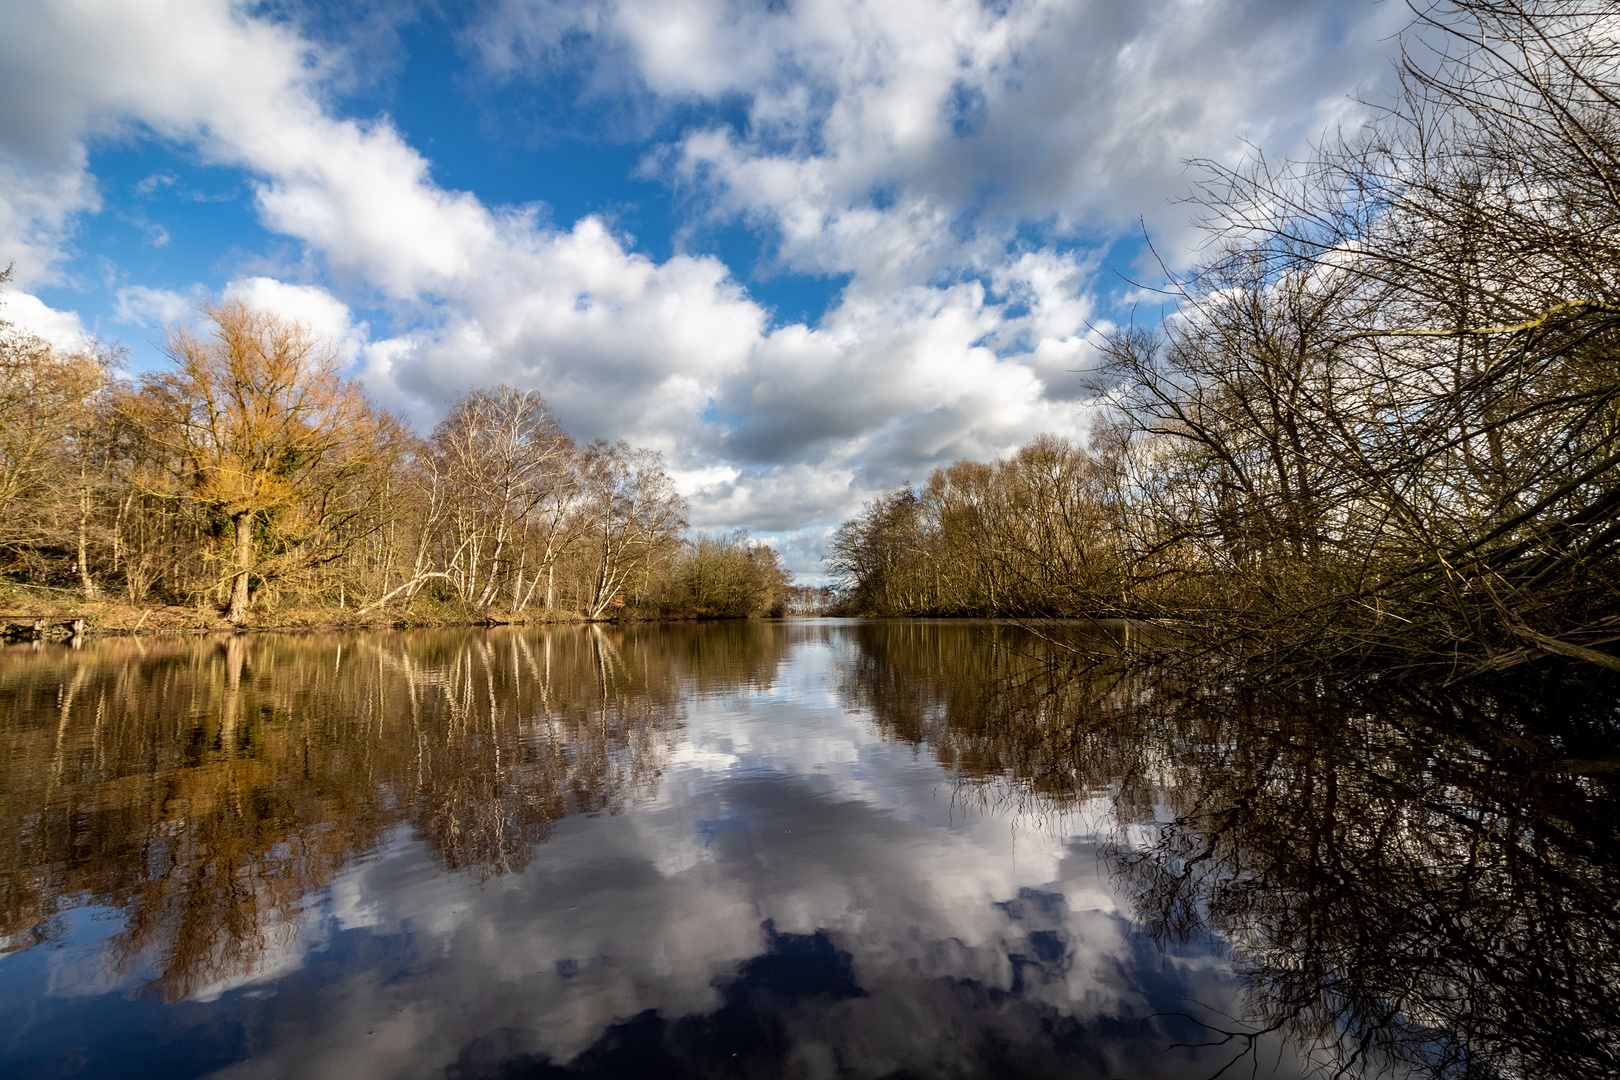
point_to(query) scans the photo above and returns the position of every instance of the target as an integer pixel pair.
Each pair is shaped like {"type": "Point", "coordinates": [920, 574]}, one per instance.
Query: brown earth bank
{"type": "Point", "coordinates": [30, 613]}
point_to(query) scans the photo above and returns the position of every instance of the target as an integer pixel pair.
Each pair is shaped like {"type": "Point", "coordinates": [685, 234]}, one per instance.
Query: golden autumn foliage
{"type": "Point", "coordinates": [256, 424]}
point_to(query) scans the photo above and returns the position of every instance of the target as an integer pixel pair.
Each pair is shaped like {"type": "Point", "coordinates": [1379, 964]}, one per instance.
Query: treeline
{"type": "Point", "coordinates": [1036, 534]}
{"type": "Point", "coordinates": [1384, 416]}
{"type": "Point", "coordinates": [251, 476]}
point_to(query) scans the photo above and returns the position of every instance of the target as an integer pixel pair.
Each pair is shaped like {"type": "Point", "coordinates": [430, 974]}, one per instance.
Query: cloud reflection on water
{"type": "Point", "coordinates": [575, 851]}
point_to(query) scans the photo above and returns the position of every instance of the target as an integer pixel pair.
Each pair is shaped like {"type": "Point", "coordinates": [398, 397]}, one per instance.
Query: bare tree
{"type": "Point", "coordinates": [1390, 390]}
{"type": "Point", "coordinates": [635, 518]}
{"type": "Point", "coordinates": [512, 478]}
{"type": "Point", "coordinates": [48, 401]}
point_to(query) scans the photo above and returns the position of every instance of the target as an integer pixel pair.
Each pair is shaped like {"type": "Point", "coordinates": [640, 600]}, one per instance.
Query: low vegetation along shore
{"type": "Point", "coordinates": [747, 585]}
{"type": "Point", "coordinates": [28, 614]}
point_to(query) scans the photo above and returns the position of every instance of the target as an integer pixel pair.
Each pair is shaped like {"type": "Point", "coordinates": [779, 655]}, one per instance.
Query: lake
{"type": "Point", "coordinates": [808, 848]}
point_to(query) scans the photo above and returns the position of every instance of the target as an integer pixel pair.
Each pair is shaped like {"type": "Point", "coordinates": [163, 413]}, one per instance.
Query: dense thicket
{"type": "Point", "coordinates": [1033, 535]}
{"type": "Point", "coordinates": [252, 475]}
{"type": "Point", "coordinates": [726, 575]}
{"type": "Point", "coordinates": [1382, 419]}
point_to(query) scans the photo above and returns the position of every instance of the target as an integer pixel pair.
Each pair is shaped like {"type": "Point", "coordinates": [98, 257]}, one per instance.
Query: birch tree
{"type": "Point", "coordinates": [635, 517]}
{"type": "Point", "coordinates": [512, 481]}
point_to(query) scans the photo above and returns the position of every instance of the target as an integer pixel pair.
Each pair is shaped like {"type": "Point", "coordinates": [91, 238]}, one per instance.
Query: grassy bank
{"type": "Point", "coordinates": [22, 605]}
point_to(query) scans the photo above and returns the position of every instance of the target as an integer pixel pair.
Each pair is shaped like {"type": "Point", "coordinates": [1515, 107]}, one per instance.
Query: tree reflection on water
{"type": "Point", "coordinates": [1408, 876]}
{"type": "Point", "coordinates": [207, 790]}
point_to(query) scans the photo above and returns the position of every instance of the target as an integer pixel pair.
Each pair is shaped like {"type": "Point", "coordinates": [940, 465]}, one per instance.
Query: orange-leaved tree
{"type": "Point", "coordinates": [257, 424]}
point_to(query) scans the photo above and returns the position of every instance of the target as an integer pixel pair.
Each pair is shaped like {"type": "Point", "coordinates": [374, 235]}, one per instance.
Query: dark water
{"type": "Point", "coordinates": [806, 849]}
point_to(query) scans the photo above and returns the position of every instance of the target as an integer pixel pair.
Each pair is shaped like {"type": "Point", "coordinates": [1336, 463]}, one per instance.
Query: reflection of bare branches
{"type": "Point", "coordinates": [582, 736]}
{"type": "Point", "coordinates": [209, 789]}
{"type": "Point", "coordinates": [1409, 878]}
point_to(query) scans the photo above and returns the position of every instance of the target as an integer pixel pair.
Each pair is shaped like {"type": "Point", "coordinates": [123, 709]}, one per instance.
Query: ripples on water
{"type": "Point", "coordinates": [804, 849]}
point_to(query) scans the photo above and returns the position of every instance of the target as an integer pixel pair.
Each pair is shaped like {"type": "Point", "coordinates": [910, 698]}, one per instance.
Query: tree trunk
{"type": "Point", "coordinates": [238, 611]}
{"type": "Point", "coordinates": [87, 584]}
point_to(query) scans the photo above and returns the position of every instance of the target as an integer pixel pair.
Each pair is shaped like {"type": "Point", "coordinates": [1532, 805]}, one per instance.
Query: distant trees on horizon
{"type": "Point", "coordinates": [1029, 535]}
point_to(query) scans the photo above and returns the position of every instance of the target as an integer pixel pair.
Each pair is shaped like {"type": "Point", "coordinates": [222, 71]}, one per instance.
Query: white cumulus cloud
{"type": "Point", "coordinates": [960, 164]}
{"type": "Point", "coordinates": [63, 329]}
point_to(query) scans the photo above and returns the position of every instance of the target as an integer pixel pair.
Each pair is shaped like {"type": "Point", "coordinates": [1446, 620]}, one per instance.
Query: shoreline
{"type": "Point", "coordinates": [105, 619]}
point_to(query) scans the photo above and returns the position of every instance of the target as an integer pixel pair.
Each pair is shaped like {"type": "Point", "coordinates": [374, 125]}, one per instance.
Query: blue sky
{"type": "Point", "coordinates": [808, 249]}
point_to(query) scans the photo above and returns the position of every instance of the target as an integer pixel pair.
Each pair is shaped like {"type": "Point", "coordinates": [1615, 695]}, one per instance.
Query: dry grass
{"type": "Point", "coordinates": [20, 604]}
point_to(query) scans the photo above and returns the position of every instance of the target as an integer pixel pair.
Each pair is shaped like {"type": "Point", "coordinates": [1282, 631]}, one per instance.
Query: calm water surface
{"type": "Point", "coordinates": [807, 849]}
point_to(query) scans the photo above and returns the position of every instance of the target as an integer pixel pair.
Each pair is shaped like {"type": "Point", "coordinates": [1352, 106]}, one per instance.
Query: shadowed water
{"type": "Point", "coordinates": [805, 849]}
